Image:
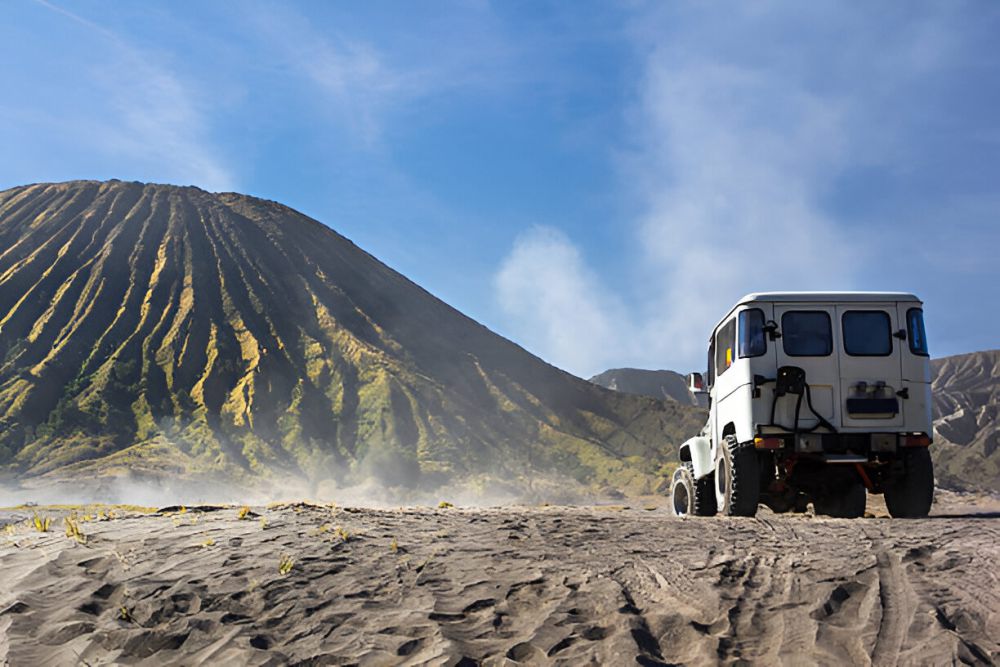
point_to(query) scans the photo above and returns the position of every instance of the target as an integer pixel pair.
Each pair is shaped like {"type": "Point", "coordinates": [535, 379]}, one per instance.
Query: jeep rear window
{"type": "Point", "coordinates": [752, 340]}
{"type": "Point", "coordinates": [806, 333]}
{"type": "Point", "coordinates": [915, 332]}
{"type": "Point", "coordinates": [867, 333]}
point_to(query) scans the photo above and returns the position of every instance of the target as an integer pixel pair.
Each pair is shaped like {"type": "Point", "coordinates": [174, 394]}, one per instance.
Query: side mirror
{"type": "Point", "coordinates": [771, 329]}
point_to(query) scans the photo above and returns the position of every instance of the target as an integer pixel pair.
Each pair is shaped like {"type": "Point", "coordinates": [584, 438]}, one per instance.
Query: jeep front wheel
{"type": "Point", "coordinates": [682, 492]}
{"type": "Point", "coordinates": [690, 496]}
{"type": "Point", "coordinates": [737, 478]}
{"type": "Point", "coordinates": [910, 492]}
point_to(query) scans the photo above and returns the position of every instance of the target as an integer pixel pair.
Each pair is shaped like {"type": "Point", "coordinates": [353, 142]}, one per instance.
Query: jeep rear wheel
{"type": "Point", "coordinates": [910, 493]}
{"type": "Point", "coordinates": [737, 478]}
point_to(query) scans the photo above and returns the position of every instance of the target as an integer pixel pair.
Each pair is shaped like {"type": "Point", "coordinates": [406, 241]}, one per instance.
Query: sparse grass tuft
{"type": "Point", "coordinates": [286, 564]}
{"type": "Point", "coordinates": [263, 523]}
{"type": "Point", "coordinates": [316, 532]}
{"type": "Point", "coordinates": [208, 543]}
{"type": "Point", "coordinates": [394, 545]}
{"type": "Point", "coordinates": [123, 559]}
{"type": "Point", "coordinates": [73, 530]}
{"type": "Point", "coordinates": [243, 513]}
{"type": "Point", "coordinates": [444, 505]}
{"type": "Point", "coordinates": [41, 524]}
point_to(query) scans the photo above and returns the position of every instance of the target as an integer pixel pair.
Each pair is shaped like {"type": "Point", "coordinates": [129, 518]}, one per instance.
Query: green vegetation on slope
{"type": "Point", "coordinates": [173, 331]}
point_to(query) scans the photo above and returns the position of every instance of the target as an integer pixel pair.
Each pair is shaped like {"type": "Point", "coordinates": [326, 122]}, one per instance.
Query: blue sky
{"type": "Point", "coordinates": [596, 181]}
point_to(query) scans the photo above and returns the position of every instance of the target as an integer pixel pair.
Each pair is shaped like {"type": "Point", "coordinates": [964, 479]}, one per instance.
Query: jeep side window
{"type": "Point", "coordinates": [867, 333]}
{"type": "Point", "coordinates": [724, 346]}
{"type": "Point", "coordinates": [806, 333]}
{"type": "Point", "coordinates": [711, 363]}
{"type": "Point", "coordinates": [752, 340]}
{"type": "Point", "coordinates": [915, 332]}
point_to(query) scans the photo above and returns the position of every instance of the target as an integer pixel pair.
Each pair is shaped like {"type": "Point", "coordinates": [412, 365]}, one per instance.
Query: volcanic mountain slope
{"type": "Point", "coordinates": [169, 330]}
{"type": "Point", "coordinates": [664, 385]}
{"type": "Point", "coordinates": [966, 448]}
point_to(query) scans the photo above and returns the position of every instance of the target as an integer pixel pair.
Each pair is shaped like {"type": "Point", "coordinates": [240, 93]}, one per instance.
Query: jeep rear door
{"type": "Point", "coordinates": [809, 340]}
{"type": "Point", "coordinates": [870, 370]}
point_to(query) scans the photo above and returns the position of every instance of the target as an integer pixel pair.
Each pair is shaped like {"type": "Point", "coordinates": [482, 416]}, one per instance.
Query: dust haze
{"type": "Point", "coordinates": [482, 490]}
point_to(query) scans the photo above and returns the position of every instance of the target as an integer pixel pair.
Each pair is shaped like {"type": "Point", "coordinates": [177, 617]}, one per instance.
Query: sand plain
{"type": "Point", "coordinates": [612, 585]}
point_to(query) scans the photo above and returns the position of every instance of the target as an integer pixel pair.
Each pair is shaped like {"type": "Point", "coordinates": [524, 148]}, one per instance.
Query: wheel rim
{"type": "Point", "coordinates": [682, 498]}
{"type": "Point", "coordinates": [721, 482]}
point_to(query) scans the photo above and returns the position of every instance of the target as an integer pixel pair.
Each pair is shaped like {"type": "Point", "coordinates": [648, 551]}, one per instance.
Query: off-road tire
{"type": "Point", "coordinates": [737, 478]}
{"type": "Point", "coordinates": [682, 492]}
{"type": "Point", "coordinates": [910, 492]}
{"type": "Point", "coordinates": [704, 493]}
{"type": "Point", "coordinates": [848, 503]}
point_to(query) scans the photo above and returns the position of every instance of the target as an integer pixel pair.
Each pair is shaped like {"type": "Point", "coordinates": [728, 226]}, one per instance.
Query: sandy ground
{"type": "Point", "coordinates": [302, 584]}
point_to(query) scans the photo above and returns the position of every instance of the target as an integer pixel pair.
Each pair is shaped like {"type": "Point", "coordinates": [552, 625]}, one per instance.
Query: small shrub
{"type": "Point", "coordinates": [286, 564]}
{"type": "Point", "coordinates": [243, 513]}
{"type": "Point", "coordinates": [444, 505]}
{"type": "Point", "coordinates": [41, 524]}
{"type": "Point", "coordinates": [73, 530]}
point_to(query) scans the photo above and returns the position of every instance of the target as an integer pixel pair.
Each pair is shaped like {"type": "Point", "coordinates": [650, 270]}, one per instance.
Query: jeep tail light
{"type": "Point", "coordinates": [768, 443]}
{"type": "Point", "coordinates": [917, 440]}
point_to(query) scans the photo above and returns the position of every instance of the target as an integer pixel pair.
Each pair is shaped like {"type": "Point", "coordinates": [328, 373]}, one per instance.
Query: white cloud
{"type": "Point", "coordinates": [548, 293]}
{"type": "Point", "coordinates": [739, 126]}
{"type": "Point", "coordinates": [734, 164]}
{"type": "Point", "coordinates": [147, 113]}
{"type": "Point", "coordinates": [160, 125]}
{"type": "Point", "coordinates": [350, 73]}
{"type": "Point", "coordinates": [363, 76]}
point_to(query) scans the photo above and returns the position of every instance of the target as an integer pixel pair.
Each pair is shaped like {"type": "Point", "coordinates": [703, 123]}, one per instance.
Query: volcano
{"type": "Point", "coordinates": [167, 330]}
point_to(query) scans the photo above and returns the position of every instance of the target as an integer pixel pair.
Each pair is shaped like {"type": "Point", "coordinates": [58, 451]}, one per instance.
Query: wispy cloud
{"type": "Point", "coordinates": [351, 74]}
{"type": "Point", "coordinates": [364, 76]}
{"type": "Point", "coordinates": [147, 113]}
{"type": "Point", "coordinates": [731, 173]}
{"type": "Point", "coordinates": [735, 142]}
{"type": "Point", "coordinates": [550, 295]}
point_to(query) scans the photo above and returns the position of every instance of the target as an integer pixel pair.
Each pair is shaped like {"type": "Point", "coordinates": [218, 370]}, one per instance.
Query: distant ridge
{"type": "Point", "coordinates": [966, 446]}
{"type": "Point", "coordinates": [171, 331]}
{"type": "Point", "coordinates": [663, 385]}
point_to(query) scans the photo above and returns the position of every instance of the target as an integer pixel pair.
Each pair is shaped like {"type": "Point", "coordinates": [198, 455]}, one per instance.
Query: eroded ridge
{"type": "Point", "coordinates": [168, 330]}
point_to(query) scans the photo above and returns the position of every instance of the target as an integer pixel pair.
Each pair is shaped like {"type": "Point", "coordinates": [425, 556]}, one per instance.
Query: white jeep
{"type": "Point", "coordinates": [815, 397]}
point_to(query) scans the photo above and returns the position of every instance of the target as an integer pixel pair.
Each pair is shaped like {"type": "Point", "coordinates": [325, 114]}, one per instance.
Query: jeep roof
{"type": "Point", "coordinates": [816, 297]}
